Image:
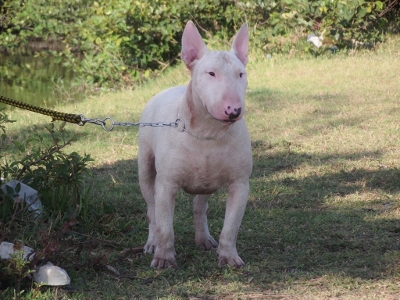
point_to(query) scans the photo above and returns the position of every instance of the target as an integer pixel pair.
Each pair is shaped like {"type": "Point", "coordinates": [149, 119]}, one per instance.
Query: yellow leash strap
{"type": "Point", "coordinates": [70, 118]}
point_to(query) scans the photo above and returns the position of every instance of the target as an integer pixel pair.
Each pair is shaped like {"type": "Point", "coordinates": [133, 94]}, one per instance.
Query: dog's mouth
{"type": "Point", "coordinates": [229, 121]}
{"type": "Point", "coordinates": [223, 121]}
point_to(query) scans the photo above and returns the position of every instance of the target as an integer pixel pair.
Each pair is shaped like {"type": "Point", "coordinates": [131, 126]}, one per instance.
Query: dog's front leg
{"type": "Point", "coordinates": [238, 194]}
{"type": "Point", "coordinates": [164, 256]}
{"type": "Point", "coordinates": [203, 238]}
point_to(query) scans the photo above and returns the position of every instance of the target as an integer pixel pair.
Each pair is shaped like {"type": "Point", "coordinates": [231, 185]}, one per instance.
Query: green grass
{"type": "Point", "coordinates": [323, 215]}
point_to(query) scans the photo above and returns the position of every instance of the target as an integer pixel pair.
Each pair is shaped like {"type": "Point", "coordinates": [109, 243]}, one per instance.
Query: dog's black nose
{"type": "Point", "coordinates": [233, 113]}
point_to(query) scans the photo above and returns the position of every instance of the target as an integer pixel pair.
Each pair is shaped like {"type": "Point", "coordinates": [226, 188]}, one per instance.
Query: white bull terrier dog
{"type": "Point", "coordinates": [210, 149]}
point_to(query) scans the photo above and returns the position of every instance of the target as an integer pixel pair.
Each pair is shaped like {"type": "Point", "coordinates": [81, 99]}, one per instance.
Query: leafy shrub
{"type": "Point", "coordinates": [39, 162]}
{"type": "Point", "coordinates": [123, 41]}
{"type": "Point", "coordinates": [155, 27]}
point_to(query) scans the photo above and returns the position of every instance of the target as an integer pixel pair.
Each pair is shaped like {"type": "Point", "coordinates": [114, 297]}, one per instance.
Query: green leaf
{"type": "Point", "coordinates": [18, 187]}
{"type": "Point", "coordinates": [379, 4]}
{"type": "Point", "coordinates": [362, 13]}
{"type": "Point", "coordinates": [10, 191]}
{"type": "Point", "coordinates": [19, 146]}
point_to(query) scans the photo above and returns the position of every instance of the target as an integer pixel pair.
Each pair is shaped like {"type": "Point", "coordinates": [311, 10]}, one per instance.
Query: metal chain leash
{"type": "Point", "coordinates": [107, 123]}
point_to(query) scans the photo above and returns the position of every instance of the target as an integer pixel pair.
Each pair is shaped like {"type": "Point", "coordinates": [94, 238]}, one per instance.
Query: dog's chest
{"type": "Point", "coordinates": [206, 170]}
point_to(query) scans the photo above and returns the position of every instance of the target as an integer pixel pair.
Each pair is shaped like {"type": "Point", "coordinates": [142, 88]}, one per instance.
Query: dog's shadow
{"type": "Point", "coordinates": [291, 227]}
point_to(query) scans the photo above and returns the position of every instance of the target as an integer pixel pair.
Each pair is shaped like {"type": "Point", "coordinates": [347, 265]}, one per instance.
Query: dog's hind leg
{"type": "Point", "coordinates": [165, 193]}
{"type": "Point", "coordinates": [203, 238]}
{"type": "Point", "coordinates": [147, 175]}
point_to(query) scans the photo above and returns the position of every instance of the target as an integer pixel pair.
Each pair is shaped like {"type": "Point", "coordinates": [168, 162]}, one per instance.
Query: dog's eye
{"type": "Point", "coordinates": [212, 74]}
{"type": "Point", "coordinates": [241, 75]}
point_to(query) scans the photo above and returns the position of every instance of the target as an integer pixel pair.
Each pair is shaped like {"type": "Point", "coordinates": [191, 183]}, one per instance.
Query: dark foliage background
{"type": "Point", "coordinates": [123, 41]}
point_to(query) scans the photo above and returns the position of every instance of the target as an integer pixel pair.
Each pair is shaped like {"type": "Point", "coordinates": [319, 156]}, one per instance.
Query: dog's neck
{"type": "Point", "coordinates": [198, 121]}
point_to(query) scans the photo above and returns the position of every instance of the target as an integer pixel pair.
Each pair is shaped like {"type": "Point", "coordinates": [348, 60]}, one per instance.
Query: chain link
{"type": "Point", "coordinates": [108, 123]}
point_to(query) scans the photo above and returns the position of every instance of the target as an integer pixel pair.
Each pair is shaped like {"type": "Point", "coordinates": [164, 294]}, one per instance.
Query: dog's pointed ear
{"type": "Point", "coordinates": [193, 46]}
{"type": "Point", "coordinates": [240, 45]}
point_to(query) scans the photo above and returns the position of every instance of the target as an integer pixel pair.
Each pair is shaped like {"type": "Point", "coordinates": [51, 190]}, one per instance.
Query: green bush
{"type": "Point", "coordinates": [155, 27]}
{"type": "Point", "coordinates": [124, 41]}
{"type": "Point", "coordinates": [40, 162]}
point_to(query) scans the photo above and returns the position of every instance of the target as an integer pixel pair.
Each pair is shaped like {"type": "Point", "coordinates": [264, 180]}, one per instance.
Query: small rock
{"type": "Point", "coordinates": [25, 193]}
{"type": "Point", "coordinates": [6, 249]}
{"type": "Point", "coordinates": [50, 274]}
{"type": "Point", "coordinates": [316, 40]}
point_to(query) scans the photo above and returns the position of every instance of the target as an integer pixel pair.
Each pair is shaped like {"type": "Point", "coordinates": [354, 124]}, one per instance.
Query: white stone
{"type": "Point", "coordinates": [27, 194]}
{"type": "Point", "coordinates": [6, 249]}
{"type": "Point", "coordinates": [317, 41]}
{"type": "Point", "coordinates": [50, 274]}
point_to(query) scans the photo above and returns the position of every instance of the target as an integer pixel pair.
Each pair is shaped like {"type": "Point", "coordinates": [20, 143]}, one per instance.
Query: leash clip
{"type": "Point", "coordinates": [103, 123]}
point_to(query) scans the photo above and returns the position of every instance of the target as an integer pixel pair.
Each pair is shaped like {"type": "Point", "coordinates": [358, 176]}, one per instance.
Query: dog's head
{"type": "Point", "coordinates": [218, 77]}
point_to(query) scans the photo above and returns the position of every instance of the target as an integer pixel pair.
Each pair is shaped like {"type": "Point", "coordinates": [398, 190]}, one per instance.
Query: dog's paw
{"type": "Point", "coordinates": [235, 262]}
{"type": "Point", "coordinates": [161, 263]}
{"type": "Point", "coordinates": [229, 257]}
{"type": "Point", "coordinates": [206, 243]}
